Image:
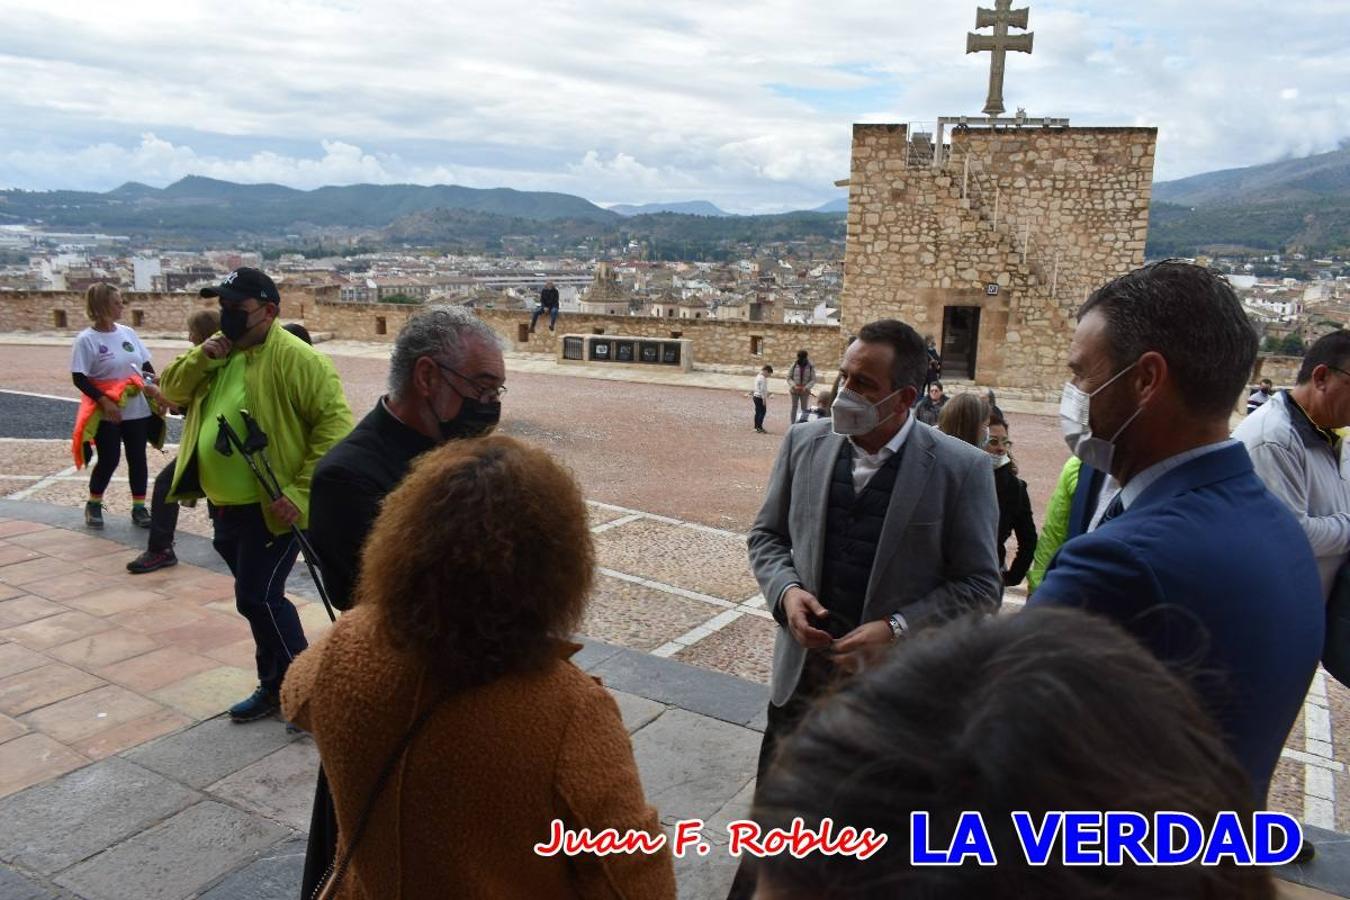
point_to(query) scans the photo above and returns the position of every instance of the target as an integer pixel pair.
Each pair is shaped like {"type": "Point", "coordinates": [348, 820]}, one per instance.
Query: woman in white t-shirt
{"type": "Point", "coordinates": [105, 356]}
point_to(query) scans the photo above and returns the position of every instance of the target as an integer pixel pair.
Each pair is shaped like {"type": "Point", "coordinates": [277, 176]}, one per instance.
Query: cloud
{"type": "Point", "coordinates": [747, 104]}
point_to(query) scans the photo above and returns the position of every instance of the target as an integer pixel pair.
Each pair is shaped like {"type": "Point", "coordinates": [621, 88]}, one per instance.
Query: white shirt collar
{"type": "Point", "coordinates": [893, 445]}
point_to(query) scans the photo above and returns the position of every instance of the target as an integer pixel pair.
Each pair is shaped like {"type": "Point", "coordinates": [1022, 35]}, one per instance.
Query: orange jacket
{"type": "Point", "coordinates": [90, 415]}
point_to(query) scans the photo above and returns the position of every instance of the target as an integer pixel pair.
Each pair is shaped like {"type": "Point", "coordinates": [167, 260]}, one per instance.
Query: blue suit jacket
{"type": "Point", "coordinates": [1213, 574]}
{"type": "Point", "coordinates": [1084, 503]}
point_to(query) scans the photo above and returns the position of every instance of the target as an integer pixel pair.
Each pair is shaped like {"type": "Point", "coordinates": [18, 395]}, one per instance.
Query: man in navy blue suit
{"type": "Point", "coordinates": [1194, 556]}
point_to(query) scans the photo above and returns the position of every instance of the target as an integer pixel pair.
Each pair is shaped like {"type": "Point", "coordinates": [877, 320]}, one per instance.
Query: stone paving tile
{"type": "Point", "coordinates": [744, 649]}
{"type": "Point", "coordinates": [207, 634]}
{"type": "Point", "coordinates": [240, 654]}
{"type": "Point", "coordinates": [130, 734]}
{"type": "Point", "coordinates": [54, 630]}
{"type": "Point", "coordinates": [19, 574]}
{"type": "Point", "coordinates": [15, 658]}
{"type": "Point", "coordinates": [22, 609]}
{"type": "Point", "coordinates": [707, 693]}
{"type": "Point", "coordinates": [10, 728]}
{"type": "Point", "coordinates": [9, 591]}
{"type": "Point", "coordinates": [34, 758]}
{"type": "Point", "coordinates": [314, 620]}
{"type": "Point", "coordinates": [14, 886]}
{"type": "Point", "coordinates": [114, 564]}
{"type": "Point", "coordinates": [636, 711]}
{"type": "Point", "coordinates": [209, 693]}
{"type": "Point", "coordinates": [110, 601]}
{"type": "Point", "coordinates": [273, 876]}
{"type": "Point", "coordinates": [19, 526]}
{"type": "Point", "coordinates": [175, 858]}
{"type": "Point", "coordinates": [38, 687]}
{"type": "Point", "coordinates": [104, 648]}
{"type": "Point", "coordinates": [685, 557]}
{"type": "Point", "coordinates": [206, 753]}
{"type": "Point", "coordinates": [620, 612]}
{"type": "Point", "coordinates": [157, 669]}
{"type": "Point", "coordinates": [87, 714]}
{"type": "Point", "coordinates": [156, 617]}
{"type": "Point", "coordinates": [595, 515]}
{"type": "Point", "coordinates": [201, 586]}
{"type": "Point", "coordinates": [52, 827]}
{"type": "Point", "coordinates": [1286, 789]}
{"type": "Point", "coordinates": [11, 553]}
{"type": "Point", "coordinates": [72, 584]}
{"type": "Point", "coordinates": [691, 765]}
{"type": "Point", "coordinates": [63, 544]}
{"type": "Point", "coordinates": [279, 786]}
{"type": "Point", "coordinates": [11, 486]}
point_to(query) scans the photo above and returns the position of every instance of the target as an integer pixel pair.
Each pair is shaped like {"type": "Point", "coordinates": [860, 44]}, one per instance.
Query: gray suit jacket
{"type": "Point", "coordinates": [936, 557]}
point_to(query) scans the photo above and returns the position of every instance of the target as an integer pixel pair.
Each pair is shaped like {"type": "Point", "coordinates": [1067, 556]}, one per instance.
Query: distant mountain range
{"type": "Point", "coordinates": [198, 211]}
{"type": "Point", "coordinates": [688, 208]}
{"type": "Point", "coordinates": [1294, 204]}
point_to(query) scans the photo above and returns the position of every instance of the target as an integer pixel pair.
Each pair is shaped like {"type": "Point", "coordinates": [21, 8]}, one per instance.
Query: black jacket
{"type": "Point", "coordinates": [928, 411]}
{"type": "Point", "coordinates": [548, 298]}
{"type": "Point", "coordinates": [349, 484]}
{"type": "Point", "coordinates": [1014, 515]}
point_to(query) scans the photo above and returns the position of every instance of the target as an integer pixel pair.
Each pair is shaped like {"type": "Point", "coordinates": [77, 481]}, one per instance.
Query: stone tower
{"type": "Point", "coordinates": [991, 242]}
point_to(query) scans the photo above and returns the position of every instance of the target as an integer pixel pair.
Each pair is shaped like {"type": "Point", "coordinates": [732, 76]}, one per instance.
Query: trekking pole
{"type": "Point", "coordinates": [227, 441]}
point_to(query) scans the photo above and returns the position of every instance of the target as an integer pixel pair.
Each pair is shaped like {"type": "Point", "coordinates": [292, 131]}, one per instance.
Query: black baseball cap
{"type": "Point", "coordinates": [243, 283]}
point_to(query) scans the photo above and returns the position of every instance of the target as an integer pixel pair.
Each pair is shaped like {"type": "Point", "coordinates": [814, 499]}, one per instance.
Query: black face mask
{"type": "Point", "coordinates": [474, 419]}
{"type": "Point", "coordinates": [234, 322]}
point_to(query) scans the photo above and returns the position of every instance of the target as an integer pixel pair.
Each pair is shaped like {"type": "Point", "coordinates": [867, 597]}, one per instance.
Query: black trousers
{"type": "Point", "coordinates": [109, 440]}
{"type": "Point", "coordinates": [761, 409]}
{"type": "Point", "coordinates": [817, 675]}
{"type": "Point", "coordinates": [163, 514]}
{"type": "Point", "coordinates": [261, 562]}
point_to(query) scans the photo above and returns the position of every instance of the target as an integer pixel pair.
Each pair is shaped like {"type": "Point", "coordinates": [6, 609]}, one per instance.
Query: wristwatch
{"type": "Point", "coordinates": [899, 627]}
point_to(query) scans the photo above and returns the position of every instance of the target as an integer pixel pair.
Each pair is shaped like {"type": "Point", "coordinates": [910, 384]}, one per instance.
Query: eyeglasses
{"type": "Point", "coordinates": [1337, 369]}
{"type": "Point", "coordinates": [998, 442]}
{"type": "Point", "coordinates": [487, 393]}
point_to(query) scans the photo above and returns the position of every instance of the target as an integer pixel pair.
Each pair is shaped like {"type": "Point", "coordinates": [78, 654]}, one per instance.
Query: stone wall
{"type": "Point", "coordinates": [1282, 370]}
{"type": "Point", "coordinates": [1041, 215]}
{"type": "Point", "coordinates": [148, 313]}
{"type": "Point", "coordinates": [747, 345]}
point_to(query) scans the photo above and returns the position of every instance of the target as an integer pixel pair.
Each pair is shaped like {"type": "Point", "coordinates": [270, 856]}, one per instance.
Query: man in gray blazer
{"type": "Point", "coordinates": [874, 526]}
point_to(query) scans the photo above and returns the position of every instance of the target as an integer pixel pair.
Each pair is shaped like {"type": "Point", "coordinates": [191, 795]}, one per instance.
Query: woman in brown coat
{"type": "Point", "coordinates": [474, 574]}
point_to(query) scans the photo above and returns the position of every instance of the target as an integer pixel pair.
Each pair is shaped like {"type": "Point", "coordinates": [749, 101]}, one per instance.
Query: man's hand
{"type": "Point", "coordinates": [216, 347]}
{"type": "Point", "coordinates": [853, 650]}
{"type": "Point", "coordinates": [800, 605]}
{"type": "Point", "coordinates": [285, 510]}
{"type": "Point", "coordinates": [111, 411]}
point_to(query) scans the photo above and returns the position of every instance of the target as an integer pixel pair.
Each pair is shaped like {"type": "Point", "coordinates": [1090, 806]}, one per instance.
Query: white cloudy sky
{"type": "Point", "coordinates": [746, 103]}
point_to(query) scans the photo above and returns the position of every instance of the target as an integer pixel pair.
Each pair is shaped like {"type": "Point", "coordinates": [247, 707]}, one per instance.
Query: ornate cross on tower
{"type": "Point", "coordinates": [1000, 18]}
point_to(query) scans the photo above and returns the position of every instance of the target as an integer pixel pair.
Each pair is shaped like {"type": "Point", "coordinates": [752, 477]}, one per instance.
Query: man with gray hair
{"type": "Point", "coordinates": [446, 380]}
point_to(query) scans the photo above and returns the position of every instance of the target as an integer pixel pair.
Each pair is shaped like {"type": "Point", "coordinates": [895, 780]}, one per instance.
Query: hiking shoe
{"type": "Point", "coordinates": [93, 515]}
{"type": "Point", "coordinates": [140, 517]}
{"type": "Point", "coordinates": [260, 705]}
{"type": "Point", "coordinates": [151, 560]}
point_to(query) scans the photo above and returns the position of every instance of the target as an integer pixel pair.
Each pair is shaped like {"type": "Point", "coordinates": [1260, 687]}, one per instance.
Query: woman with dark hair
{"type": "Point", "coordinates": [1026, 712]}
{"type": "Point", "coordinates": [452, 727]}
{"type": "Point", "coordinates": [1014, 505]}
{"type": "Point", "coordinates": [966, 417]}
{"type": "Point", "coordinates": [930, 407]}
{"type": "Point", "coordinates": [111, 368]}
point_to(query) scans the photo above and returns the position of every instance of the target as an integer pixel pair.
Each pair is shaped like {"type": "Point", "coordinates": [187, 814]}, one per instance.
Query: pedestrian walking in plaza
{"type": "Point", "coordinates": [446, 382]}
{"type": "Point", "coordinates": [836, 548]}
{"type": "Point", "coordinates": [446, 709]}
{"type": "Point", "coordinates": [934, 363]}
{"type": "Point", "coordinates": [548, 302]}
{"type": "Point", "coordinates": [1195, 556]}
{"type": "Point", "coordinates": [294, 395]}
{"type": "Point", "coordinates": [930, 407]}
{"type": "Point", "coordinates": [164, 513]}
{"type": "Point", "coordinates": [1014, 506]}
{"type": "Point", "coordinates": [1037, 713]}
{"type": "Point", "coordinates": [760, 395]}
{"type": "Point", "coordinates": [801, 379]}
{"type": "Point", "coordinates": [1261, 395]}
{"type": "Point", "coordinates": [111, 368]}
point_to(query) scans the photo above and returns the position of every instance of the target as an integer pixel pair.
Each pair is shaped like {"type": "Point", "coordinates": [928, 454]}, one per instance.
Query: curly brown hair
{"type": "Point", "coordinates": [480, 560]}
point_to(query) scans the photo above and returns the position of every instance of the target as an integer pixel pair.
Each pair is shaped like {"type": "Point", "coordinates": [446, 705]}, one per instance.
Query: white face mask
{"type": "Point", "coordinates": [853, 415]}
{"type": "Point", "coordinates": [1000, 461]}
{"type": "Point", "coordinates": [1074, 421]}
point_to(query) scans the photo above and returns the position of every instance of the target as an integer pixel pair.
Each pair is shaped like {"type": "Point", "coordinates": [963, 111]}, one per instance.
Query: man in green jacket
{"type": "Point", "coordinates": [296, 397]}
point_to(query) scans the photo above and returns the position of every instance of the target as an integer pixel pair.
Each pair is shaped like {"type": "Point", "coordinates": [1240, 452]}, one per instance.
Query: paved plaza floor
{"type": "Point", "coordinates": [118, 778]}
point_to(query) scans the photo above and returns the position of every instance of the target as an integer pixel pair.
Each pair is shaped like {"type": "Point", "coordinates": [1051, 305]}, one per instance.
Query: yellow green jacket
{"type": "Point", "coordinates": [294, 393]}
{"type": "Point", "coordinates": [1055, 525]}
